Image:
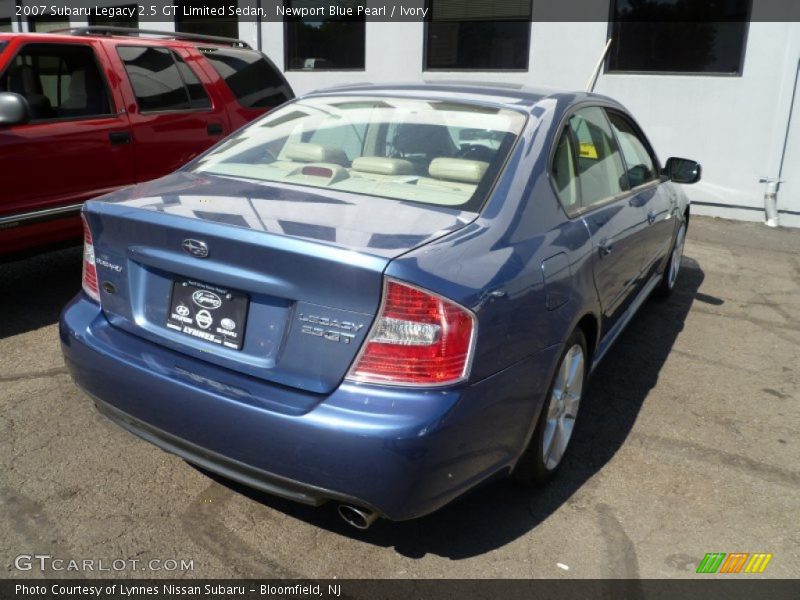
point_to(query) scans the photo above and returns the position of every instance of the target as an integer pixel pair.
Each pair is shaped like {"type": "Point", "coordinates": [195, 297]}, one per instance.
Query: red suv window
{"type": "Point", "coordinates": [58, 80]}
{"type": "Point", "coordinates": [161, 80]}
{"type": "Point", "coordinates": [252, 79]}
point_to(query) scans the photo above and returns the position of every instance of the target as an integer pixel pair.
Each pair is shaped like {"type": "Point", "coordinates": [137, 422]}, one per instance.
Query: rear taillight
{"type": "Point", "coordinates": [89, 277]}
{"type": "Point", "coordinates": [418, 339]}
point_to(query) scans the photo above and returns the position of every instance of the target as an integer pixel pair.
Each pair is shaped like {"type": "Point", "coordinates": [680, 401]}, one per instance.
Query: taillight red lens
{"type": "Point", "coordinates": [89, 277]}
{"type": "Point", "coordinates": [417, 339]}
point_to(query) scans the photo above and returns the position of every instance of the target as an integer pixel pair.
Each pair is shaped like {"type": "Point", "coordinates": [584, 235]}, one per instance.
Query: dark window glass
{"type": "Point", "coordinates": [197, 93]}
{"type": "Point", "coordinates": [564, 176]}
{"type": "Point", "coordinates": [682, 36]}
{"type": "Point", "coordinates": [187, 22]}
{"type": "Point", "coordinates": [58, 80]}
{"type": "Point", "coordinates": [252, 79]}
{"type": "Point", "coordinates": [5, 25]}
{"type": "Point", "coordinates": [157, 76]}
{"type": "Point", "coordinates": [486, 35]}
{"type": "Point", "coordinates": [320, 43]}
{"type": "Point", "coordinates": [117, 21]}
{"type": "Point", "coordinates": [639, 163]}
{"type": "Point", "coordinates": [598, 162]}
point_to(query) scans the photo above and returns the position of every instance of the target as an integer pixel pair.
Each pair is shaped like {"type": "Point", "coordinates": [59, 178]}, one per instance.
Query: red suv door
{"type": "Point", "coordinates": [172, 116]}
{"type": "Point", "coordinates": [76, 146]}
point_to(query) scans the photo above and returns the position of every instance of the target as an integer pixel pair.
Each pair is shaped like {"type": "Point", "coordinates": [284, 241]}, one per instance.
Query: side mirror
{"type": "Point", "coordinates": [14, 109]}
{"type": "Point", "coordinates": [683, 170]}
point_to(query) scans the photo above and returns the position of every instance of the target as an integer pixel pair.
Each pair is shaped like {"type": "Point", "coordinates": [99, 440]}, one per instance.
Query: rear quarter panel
{"type": "Point", "coordinates": [494, 266]}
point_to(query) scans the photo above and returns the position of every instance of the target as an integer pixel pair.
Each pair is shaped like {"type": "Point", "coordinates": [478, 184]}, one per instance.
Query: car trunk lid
{"type": "Point", "coordinates": [304, 270]}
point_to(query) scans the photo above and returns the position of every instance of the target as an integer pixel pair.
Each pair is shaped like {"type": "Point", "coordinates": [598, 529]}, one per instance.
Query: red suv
{"type": "Point", "coordinates": [93, 109]}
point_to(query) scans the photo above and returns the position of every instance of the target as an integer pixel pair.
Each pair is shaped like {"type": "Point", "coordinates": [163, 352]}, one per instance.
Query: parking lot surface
{"type": "Point", "coordinates": [687, 443]}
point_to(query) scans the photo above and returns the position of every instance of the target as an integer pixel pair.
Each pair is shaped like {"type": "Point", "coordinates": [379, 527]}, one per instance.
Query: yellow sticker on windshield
{"type": "Point", "coordinates": [587, 150]}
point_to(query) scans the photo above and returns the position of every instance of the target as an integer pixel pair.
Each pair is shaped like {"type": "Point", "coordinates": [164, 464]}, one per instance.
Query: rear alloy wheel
{"type": "Point", "coordinates": [667, 285]}
{"type": "Point", "coordinates": [553, 433]}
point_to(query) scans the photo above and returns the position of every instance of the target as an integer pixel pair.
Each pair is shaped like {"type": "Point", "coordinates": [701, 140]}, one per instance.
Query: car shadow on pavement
{"type": "Point", "coordinates": [498, 513]}
{"type": "Point", "coordinates": [34, 290]}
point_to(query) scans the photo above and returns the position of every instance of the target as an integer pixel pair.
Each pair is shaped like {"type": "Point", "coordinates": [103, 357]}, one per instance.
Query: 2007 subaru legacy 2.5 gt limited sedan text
{"type": "Point", "coordinates": [378, 296]}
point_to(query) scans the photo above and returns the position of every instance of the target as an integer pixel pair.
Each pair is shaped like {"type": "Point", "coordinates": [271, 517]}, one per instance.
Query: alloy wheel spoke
{"type": "Point", "coordinates": [556, 400]}
{"type": "Point", "coordinates": [575, 376]}
{"type": "Point", "coordinates": [571, 403]}
{"type": "Point", "coordinates": [557, 447]}
{"type": "Point", "coordinates": [549, 437]}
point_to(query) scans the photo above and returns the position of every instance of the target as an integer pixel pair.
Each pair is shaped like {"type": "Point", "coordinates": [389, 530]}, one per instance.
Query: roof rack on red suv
{"type": "Point", "coordinates": [175, 35]}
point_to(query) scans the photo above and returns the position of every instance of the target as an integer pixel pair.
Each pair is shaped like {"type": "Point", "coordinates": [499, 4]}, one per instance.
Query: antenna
{"type": "Point", "coordinates": [596, 72]}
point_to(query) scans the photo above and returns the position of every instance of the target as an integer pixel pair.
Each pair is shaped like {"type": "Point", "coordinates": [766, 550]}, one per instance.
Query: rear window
{"type": "Point", "coordinates": [429, 151]}
{"type": "Point", "coordinates": [253, 80]}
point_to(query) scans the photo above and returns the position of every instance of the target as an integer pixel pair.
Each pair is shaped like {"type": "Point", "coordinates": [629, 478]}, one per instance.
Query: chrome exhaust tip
{"type": "Point", "coordinates": [360, 518]}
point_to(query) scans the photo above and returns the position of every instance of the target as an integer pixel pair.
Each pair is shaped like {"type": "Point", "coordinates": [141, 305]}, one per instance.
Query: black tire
{"type": "Point", "coordinates": [667, 284]}
{"type": "Point", "coordinates": [532, 468]}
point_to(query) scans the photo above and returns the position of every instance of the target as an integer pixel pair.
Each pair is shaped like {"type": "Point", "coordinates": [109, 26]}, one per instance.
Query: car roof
{"type": "Point", "coordinates": [499, 94]}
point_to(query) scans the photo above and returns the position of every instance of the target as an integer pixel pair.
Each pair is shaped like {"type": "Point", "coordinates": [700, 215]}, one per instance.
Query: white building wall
{"type": "Point", "coordinates": [734, 126]}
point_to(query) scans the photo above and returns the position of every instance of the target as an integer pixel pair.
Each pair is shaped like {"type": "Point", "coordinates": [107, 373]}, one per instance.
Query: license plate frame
{"type": "Point", "coordinates": [207, 312]}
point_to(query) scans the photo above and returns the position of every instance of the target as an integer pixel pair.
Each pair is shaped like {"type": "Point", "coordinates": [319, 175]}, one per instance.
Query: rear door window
{"type": "Point", "coordinates": [59, 81]}
{"type": "Point", "coordinates": [252, 79]}
{"type": "Point", "coordinates": [599, 164]}
{"type": "Point", "coordinates": [161, 80]}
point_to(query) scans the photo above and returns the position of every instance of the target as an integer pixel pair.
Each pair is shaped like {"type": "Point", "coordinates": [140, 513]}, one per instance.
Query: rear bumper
{"type": "Point", "coordinates": [401, 452]}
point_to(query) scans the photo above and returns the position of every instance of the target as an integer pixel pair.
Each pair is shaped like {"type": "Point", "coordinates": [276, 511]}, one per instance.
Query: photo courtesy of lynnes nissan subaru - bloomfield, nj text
{"type": "Point", "coordinates": [379, 296]}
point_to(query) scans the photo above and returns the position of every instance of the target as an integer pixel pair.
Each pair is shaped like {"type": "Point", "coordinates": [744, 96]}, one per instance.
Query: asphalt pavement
{"type": "Point", "coordinates": [687, 444]}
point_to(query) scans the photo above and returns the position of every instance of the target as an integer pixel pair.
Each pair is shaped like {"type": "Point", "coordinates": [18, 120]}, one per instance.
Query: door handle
{"type": "Point", "coordinates": [605, 247]}
{"type": "Point", "coordinates": [651, 217]}
{"type": "Point", "coordinates": [214, 129]}
{"type": "Point", "coordinates": [120, 137]}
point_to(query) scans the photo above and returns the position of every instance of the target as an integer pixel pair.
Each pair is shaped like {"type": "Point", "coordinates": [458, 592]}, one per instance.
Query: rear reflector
{"type": "Point", "coordinates": [89, 277]}
{"type": "Point", "coordinates": [418, 339]}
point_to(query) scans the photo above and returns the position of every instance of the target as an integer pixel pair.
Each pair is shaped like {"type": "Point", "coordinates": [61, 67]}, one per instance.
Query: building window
{"type": "Point", "coordinates": [678, 36]}
{"type": "Point", "coordinates": [44, 24]}
{"type": "Point", "coordinates": [483, 36]}
{"type": "Point", "coordinates": [190, 18]}
{"type": "Point", "coordinates": [118, 21]}
{"type": "Point", "coordinates": [325, 43]}
{"type": "Point", "coordinates": [5, 25]}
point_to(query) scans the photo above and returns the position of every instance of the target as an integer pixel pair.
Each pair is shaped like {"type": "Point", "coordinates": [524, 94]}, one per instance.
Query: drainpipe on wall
{"type": "Point", "coordinates": [774, 183]}
{"type": "Point", "coordinates": [771, 201]}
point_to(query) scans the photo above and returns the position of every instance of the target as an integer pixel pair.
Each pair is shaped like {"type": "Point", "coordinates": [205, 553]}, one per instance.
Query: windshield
{"type": "Point", "coordinates": [429, 151]}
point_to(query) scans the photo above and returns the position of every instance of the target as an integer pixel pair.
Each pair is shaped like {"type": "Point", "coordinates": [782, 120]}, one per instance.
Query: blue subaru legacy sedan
{"type": "Point", "coordinates": [378, 296]}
